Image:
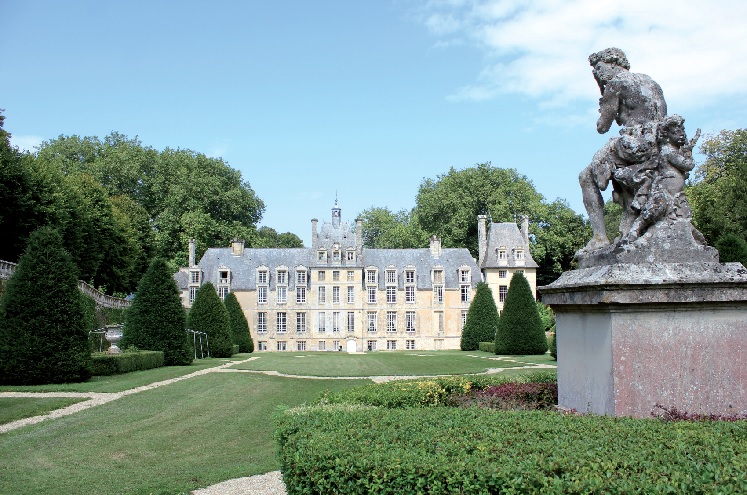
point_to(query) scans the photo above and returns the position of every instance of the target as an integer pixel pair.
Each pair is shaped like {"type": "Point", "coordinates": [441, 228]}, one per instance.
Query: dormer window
{"type": "Point", "coordinates": [391, 277]}
{"type": "Point", "coordinates": [261, 277]}
{"type": "Point", "coordinates": [194, 277]}
{"type": "Point", "coordinates": [502, 254]}
{"type": "Point", "coordinates": [223, 276]}
{"type": "Point", "coordinates": [321, 255]}
{"type": "Point", "coordinates": [519, 254]}
{"type": "Point", "coordinates": [301, 276]}
{"type": "Point", "coordinates": [282, 277]}
{"type": "Point", "coordinates": [336, 255]}
{"type": "Point", "coordinates": [351, 255]}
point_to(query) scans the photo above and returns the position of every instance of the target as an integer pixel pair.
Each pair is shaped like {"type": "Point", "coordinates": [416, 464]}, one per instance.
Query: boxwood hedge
{"type": "Point", "coordinates": [115, 364]}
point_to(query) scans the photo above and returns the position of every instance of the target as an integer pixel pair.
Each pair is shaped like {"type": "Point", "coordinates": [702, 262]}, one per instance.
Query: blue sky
{"type": "Point", "coordinates": [361, 99]}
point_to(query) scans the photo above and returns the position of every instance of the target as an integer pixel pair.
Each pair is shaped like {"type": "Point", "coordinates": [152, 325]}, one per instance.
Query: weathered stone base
{"type": "Point", "coordinates": [630, 337]}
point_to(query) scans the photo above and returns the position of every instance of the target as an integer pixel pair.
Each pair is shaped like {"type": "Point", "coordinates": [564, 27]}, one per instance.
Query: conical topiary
{"type": "Point", "coordinates": [209, 315]}
{"type": "Point", "coordinates": [43, 338]}
{"type": "Point", "coordinates": [520, 328]}
{"type": "Point", "coordinates": [482, 319]}
{"type": "Point", "coordinates": [156, 319]}
{"type": "Point", "coordinates": [239, 326]}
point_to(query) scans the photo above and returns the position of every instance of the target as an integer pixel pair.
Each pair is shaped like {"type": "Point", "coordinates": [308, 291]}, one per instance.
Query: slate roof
{"type": "Point", "coordinates": [508, 235]}
{"type": "Point", "coordinates": [451, 260]}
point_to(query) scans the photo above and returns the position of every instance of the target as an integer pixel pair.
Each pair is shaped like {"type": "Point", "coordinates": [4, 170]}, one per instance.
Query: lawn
{"type": "Point", "coordinates": [14, 408]}
{"type": "Point", "coordinates": [400, 363]}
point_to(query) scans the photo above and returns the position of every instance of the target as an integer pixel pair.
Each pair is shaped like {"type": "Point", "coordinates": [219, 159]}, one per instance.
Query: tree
{"type": "Point", "coordinates": [482, 319]}
{"type": "Point", "coordinates": [268, 237]}
{"type": "Point", "coordinates": [43, 338]}
{"type": "Point", "coordinates": [208, 314]}
{"type": "Point", "coordinates": [731, 247]}
{"type": "Point", "coordinates": [383, 229]}
{"type": "Point", "coordinates": [239, 326]}
{"type": "Point", "coordinates": [719, 187]}
{"type": "Point", "coordinates": [156, 321]}
{"type": "Point", "coordinates": [520, 328]}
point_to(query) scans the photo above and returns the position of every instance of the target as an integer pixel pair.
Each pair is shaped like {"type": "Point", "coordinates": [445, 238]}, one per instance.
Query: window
{"type": "Point", "coordinates": [410, 345]}
{"type": "Point", "coordinates": [518, 271]}
{"type": "Point", "coordinates": [464, 293]}
{"type": "Point", "coordinates": [410, 294]}
{"type": "Point", "coordinates": [371, 318]}
{"type": "Point", "coordinates": [391, 321]}
{"type": "Point", "coordinates": [301, 295]}
{"type": "Point", "coordinates": [322, 325]}
{"type": "Point", "coordinates": [301, 277]}
{"type": "Point", "coordinates": [262, 345]}
{"type": "Point", "coordinates": [464, 276]}
{"type": "Point", "coordinates": [410, 321]}
{"type": "Point", "coordinates": [438, 293]}
{"type": "Point", "coordinates": [282, 276]}
{"type": "Point", "coordinates": [370, 276]}
{"type": "Point", "coordinates": [464, 318]}
{"type": "Point", "coordinates": [351, 276]}
{"type": "Point", "coordinates": [351, 294]}
{"type": "Point", "coordinates": [409, 276]}
{"type": "Point", "coordinates": [501, 273]}
{"type": "Point", "coordinates": [281, 345]}
{"type": "Point", "coordinates": [351, 256]}
{"type": "Point", "coordinates": [438, 276]}
{"type": "Point", "coordinates": [440, 322]}
{"type": "Point", "coordinates": [351, 321]}
{"type": "Point", "coordinates": [322, 345]}
{"type": "Point", "coordinates": [391, 294]}
{"type": "Point", "coordinates": [336, 295]}
{"type": "Point", "coordinates": [336, 275]}
{"type": "Point", "coordinates": [192, 294]}
{"type": "Point", "coordinates": [223, 276]}
{"type": "Point", "coordinates": [300, 322]}
{"type": "Point", "coordinates": [261, 322]}
{"type": "Point", "coordinates": [301, 345]}
{"type": "Point", "coordinates": [321, 276]}
{"type": "Point", "coordinates": [281, 294]}
{"type": "Point", "coordinates": [391, 345]}
{"type": "Point", "coordinates": [519, 254]}
{"type": "Point", "coordinates": [262, 295]}
{"type": "Point", "coordinates": [391, 277]}
{"type": "Point", "coordinates": [502, 255]}
{"type": "Point", "coordinates": [321, 255]}
{"type": "Point", "coordinates": [262, 277]}
{"type": "Point", "coordinates": [335, 255]}
{"type": "Point", "coordinates": [371, 294]}
{"type": "Point", "coordinates": [194, 276]}
{"type": "Point", "coordinates": [322, 295]}
{"type": "Point", "coordinates": [336, 345]}
{"type": "Point", "coordinates": [282, 322]}
{"type": "Point", "coordinates": [336, 321]}
{"type": "Point", "coordinates": [371, 345]}
{"type": "Point", "coordinates": [502, 291]}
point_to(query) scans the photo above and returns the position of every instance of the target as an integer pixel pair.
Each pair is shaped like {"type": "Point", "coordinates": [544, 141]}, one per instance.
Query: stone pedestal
{"type": "Point", "coordinates": [631, 336]}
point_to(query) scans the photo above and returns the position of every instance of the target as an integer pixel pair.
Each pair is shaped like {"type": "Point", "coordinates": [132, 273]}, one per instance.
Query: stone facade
{"type": "Point", "coordinates": [338, 295]}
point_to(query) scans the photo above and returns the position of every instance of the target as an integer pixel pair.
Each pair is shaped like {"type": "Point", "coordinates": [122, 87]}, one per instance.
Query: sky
{"type": "Point", "coordinates": [359, 101]}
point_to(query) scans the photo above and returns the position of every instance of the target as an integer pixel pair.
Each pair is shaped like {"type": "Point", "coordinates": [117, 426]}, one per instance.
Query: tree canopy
{"type": "Point", "coordinates": [267, 237]}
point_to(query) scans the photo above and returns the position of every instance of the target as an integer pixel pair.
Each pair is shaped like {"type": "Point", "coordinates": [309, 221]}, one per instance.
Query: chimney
{"type": "Point", "coordinates": [525, 229]}
{"type": "Point", "coordinates": [237, 247]}
{"type": "Point", "coordinates": [314, 234]}
{"type": "Point", "coordinates": [482, 238]}
{"type": "Point", "coordinates": [435, 246]}
{"type": "Point", "coordinates": [359, 234]}
{"type": "Point", "coordinates": [192, 249]}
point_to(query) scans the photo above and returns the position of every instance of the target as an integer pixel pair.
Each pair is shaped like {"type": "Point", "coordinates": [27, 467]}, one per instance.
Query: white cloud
{"type": "Point", "coordinates": [26, 143]}
{"type": "Point", "coordinates": [694, 49]}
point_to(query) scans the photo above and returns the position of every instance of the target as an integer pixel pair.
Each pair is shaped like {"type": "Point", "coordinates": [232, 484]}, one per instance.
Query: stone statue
{"type": "Point", "coordinates": [647, 165]}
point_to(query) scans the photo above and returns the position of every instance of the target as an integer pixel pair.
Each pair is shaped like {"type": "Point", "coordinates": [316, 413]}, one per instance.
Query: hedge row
{"type": "Point", "coordinates": [115, 364]}
{"type": "Point", "coordinates": [359, 449]}
{"type": "Point", "coordinates": [487, 347]}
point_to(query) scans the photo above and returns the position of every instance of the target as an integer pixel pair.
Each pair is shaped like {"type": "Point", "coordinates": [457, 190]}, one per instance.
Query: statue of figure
{"type": "Point", "coordinates": [636, 102]}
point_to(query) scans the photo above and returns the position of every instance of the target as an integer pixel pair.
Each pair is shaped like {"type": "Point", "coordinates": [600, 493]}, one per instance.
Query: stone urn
{"type": "Point", "coordinates": [113, 335]}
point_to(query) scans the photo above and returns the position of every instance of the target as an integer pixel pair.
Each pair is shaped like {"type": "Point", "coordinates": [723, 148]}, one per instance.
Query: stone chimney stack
{"type": "Point", "coordinates": [482, 238]}
{"type": "Point", "coordinates": [237, 247]}
{"type": "Point", "coordinates": [435, 246]}
{"type": "Point", "coordinates": [525, 229]}
{"type": "Point", "coordinates": [314, 234]}
{"type": "Point", "coordinates": [192, 250]}
{"type": "Point", "coordinates": [359, 234]}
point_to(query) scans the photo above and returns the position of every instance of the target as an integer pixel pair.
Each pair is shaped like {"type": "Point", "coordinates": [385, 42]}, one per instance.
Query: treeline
{"type": "Point", "coordinates": [118, 204]}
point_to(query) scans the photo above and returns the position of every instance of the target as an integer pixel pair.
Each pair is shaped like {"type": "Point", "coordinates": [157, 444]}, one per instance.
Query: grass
{"type": "Point", "coordinates": [14, 408]}
{"type": "Point", "coordinates": [400, 363]}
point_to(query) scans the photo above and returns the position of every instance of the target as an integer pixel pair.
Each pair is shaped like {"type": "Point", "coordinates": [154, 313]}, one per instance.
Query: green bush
{"type": "Point", "coordinates": [43, 338]}
{"type": "Point", "coordinates": [115, 364]}
{"type": "Point", "coordinates": [520, 329]}
{"type": "Point", "coordinates": [554, 343]}
{"type": "Point", "coordinates": [547, 316]}
{"type": "Point", "coordinates": [482, 319]}
{"type": "Point", "coordinates": [239, 326]}
{"type": "Point", "coordinates": [208, 314]}
{"type": "Point", "coordinates": [155, 321]}
{"type": "Point", "coordinates": [732, 247]}
{"type": "Point", "coordinates": [368, 450]}
{"type": "Point", "coordinates": [487, 347]}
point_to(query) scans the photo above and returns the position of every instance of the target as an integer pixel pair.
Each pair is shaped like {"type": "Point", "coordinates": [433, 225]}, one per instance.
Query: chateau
{"type": "Point", "coordinates": [338, 295]}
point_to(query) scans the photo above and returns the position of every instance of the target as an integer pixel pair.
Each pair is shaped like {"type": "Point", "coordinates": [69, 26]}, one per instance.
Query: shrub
{"type": "Point", "coordinates": [114, 364]}
{"type": "Point", "coordinates": [547, 316]}
{"type": "Point", "coordinates": [487, 347]}
{"type": "Point", "coordinates": [239, 326]}
{"type": "Point", "coordinates": [482, 319]}
{"type": "Point", "coordinates": [155, 320]}
{"type": "Point", "coordinates": [43, 338]}
{"type": "Point", "coordinates": [209, 315]}
{"type": "Point", "coordinates": [511, 397]}
{"type": "Point", "coordinates": [519, 328]}
{"type": "Point", "coordinates": [554, 343]}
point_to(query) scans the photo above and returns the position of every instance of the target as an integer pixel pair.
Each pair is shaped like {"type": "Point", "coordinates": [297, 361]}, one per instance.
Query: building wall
{"type": "Point", "coordinates": [495, 281]}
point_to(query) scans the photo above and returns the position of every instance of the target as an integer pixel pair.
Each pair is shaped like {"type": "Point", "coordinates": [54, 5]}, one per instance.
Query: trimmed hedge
{"type": "Point", "coordinates": [487, 347]}
{"type": "Point", "coordinates": [115, 364]}
{"type": "Point", "coordinates": [356, 449]}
